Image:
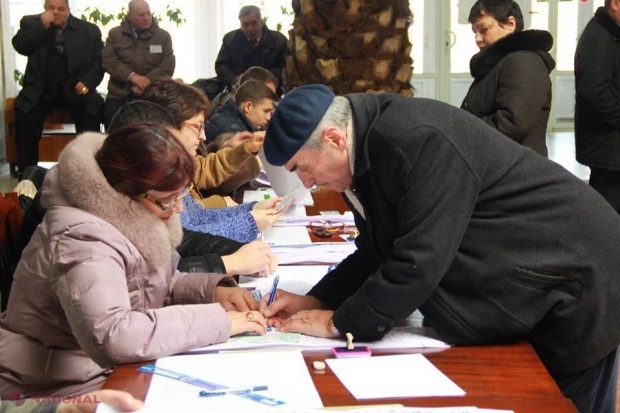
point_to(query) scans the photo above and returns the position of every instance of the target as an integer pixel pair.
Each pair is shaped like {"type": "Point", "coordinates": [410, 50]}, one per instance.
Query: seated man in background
{"type": "Point", "coordinates": [64, 70]}
{"type": "Point", "coordinates": [136, 53]}
{"type": "Point", "coordinates": [251, 45]}
{"type": "Point", "coordinates": [250, 110]}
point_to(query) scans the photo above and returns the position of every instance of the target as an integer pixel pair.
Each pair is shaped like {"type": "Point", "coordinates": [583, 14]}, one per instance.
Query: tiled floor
{"type": "Point", "coordinates": [561, 150]}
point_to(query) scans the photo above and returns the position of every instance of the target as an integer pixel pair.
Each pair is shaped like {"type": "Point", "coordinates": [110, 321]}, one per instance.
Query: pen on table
{"type": "Point", "coordinates": [221, 392]}
{"type": "Point", "coordinates": [273, 290]}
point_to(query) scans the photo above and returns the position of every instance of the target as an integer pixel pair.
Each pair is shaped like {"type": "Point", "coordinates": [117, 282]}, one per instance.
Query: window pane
{"type": "Point", "coordinates": [416, 36]}
{"type": "Point", "coordinates": [462, 41]}
{"type": "Point", "coordinates": [566, 41]}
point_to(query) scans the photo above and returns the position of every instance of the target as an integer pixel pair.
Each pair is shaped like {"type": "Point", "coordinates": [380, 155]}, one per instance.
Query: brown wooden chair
{"type": "Point", "coordinates": [50, 144]}
{"type": "Point", "coordinates": [10, 223]}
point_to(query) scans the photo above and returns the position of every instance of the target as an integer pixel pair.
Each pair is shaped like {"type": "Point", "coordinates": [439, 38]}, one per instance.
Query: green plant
{"type": "Point", "coordinates": [175, 15]}
{"type": "Point", "coordinates": [96, 16]}
{"type": "Point", "coordinates": [285, 12]}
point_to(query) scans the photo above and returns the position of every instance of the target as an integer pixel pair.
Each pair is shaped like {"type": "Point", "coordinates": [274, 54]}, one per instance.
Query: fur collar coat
{"type": "Point", "coordinates": [97, 286]}
{"type": "Point", "coordinates": [511, 91]}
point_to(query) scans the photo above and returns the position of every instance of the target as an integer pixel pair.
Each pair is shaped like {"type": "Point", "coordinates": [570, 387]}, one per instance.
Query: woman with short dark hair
{"type": "Point", "coordinates": [511, 91]}
{"type": "Point", "coordinates": [97, 286]}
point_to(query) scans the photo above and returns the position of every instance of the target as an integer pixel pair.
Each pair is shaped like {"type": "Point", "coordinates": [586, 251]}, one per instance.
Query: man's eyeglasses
{"type": "Point", "coordinates": [167, 206]}
{"type": "Point", "coordinates": [330, 226]}
{"type": "Point", "coordinates": [197, 126]}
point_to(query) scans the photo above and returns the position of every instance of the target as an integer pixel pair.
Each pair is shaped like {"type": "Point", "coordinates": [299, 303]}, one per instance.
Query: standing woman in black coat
{"type": "Point", "coordinates": [511, 89]}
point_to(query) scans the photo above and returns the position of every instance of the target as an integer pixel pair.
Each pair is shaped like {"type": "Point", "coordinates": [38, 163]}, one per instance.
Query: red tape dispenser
{"type": "Point", "coordinates": [350, 350]}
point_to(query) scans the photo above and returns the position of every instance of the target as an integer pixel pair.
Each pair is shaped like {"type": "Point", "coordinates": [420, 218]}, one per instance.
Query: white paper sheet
{"type": "Point", "coordinates": [316, 253]}
{"type": "Point", "coordinates": [285, 373]}
{"type": "Point", "coordinates": [286, 236]}
{"type": "Point", "coordinates": [407, 375]}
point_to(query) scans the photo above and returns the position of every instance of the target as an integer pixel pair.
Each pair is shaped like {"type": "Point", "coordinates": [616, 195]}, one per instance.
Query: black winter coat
{"type": "Point", "coordinates": [511, 89]}
{"type": "Point", "coordinates": [492, 242]}
{"type": "Point", "coordinates": [236, 55]}
{"type": "Point", "coordinates": [597, 82]}
{"type": "Point", "coordinates": [83, 46]}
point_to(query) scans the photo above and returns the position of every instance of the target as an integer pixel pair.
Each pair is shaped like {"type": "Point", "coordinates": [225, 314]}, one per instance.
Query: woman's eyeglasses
{"type": "Point", "coordinates": [168, 205]}
{"type": "Point", "coordinates": [330, 226]}
{"type": "Point", "coordinates": [199, 127]}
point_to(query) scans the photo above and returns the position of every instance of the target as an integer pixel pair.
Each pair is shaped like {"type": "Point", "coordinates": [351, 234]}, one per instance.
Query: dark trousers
{"type": "Point", "coordinates": [593, 390]}
{"type": "Point", "coordinates": [29, 128]}
{"type": "Point", "coordinates": [109, 109]}
{"type": "Point", "coordinates": [607, 183]}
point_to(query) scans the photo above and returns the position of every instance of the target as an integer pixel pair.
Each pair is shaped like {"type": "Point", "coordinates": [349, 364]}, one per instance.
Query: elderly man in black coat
{"type": "Point", "coordinates": [64, 70]}
{"type": "Point", "coordinates": [490, 241]}
{"type": "Point", "coordinates": [251, 45]}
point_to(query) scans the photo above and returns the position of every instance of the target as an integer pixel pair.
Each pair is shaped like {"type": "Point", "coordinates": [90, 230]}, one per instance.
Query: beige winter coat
{"type": "Point", "coordinates": [97, 287]}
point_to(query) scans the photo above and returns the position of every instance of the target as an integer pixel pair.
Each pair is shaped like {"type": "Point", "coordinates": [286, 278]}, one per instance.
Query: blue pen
{"type": "Point", "coordinates": [273, 290]}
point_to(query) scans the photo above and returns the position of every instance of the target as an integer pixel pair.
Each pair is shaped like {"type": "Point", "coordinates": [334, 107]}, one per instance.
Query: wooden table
{"type": "Point", "coordinates": [509, 377]}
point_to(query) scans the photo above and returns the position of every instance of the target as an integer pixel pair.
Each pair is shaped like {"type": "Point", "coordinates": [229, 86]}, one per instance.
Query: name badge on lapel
{"type": "Point", "coordinates": [156, 48]}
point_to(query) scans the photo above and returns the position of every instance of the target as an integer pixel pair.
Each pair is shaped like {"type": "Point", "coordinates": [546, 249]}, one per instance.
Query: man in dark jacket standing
{"type": "Point", "coordinates": [490, 241]}
{"type": "Point", "coordinates": [511, 90]}
{"type": "Point", "coordinates": [64, 70]}
{"type": "Point", "coordinates": [597, 109]}
{"type": "Point", "coordinates": [251, 45]}
{"type": "Point", "coordinates": [136, 53]}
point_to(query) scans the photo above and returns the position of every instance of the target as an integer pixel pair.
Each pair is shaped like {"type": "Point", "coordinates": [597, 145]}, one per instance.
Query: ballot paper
{"type": "Point", "coordinates": [406, 375]}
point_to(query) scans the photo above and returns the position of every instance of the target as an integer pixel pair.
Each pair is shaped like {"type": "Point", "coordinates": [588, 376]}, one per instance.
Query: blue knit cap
{"type": "Point", "coordinates": [296, 117]}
